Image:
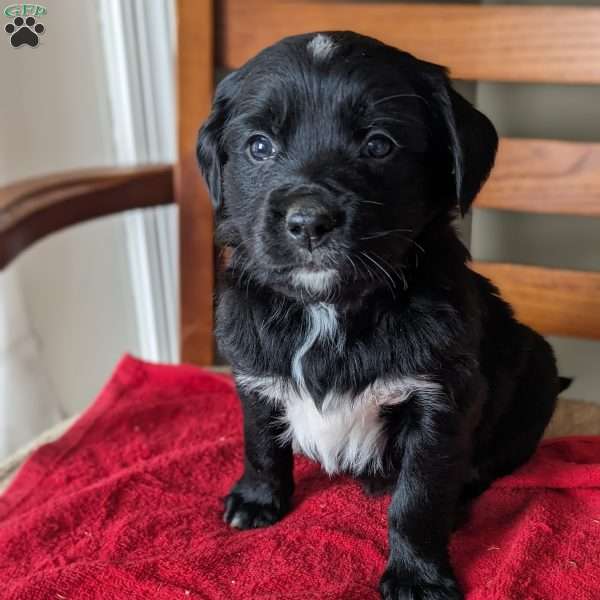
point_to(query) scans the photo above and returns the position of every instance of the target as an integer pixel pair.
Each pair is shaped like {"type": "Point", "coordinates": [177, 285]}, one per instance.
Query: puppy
{"type": "Point", "coordinates": [356, 331]}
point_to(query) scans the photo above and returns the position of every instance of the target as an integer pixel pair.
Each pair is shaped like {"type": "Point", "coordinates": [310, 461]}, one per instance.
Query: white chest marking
{"type": "Point", "coordinates": [322, 325]}
{"type": "Point", "coordinates": [346, 435]}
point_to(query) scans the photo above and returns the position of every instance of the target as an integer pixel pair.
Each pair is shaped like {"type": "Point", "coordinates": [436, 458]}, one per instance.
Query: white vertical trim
{"type": "Point", "coordinates": [118, 78]}
{"type": "Point", "coordinates": [138, 48]}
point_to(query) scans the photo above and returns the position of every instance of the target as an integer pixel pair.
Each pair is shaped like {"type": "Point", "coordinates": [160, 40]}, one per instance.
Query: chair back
{"type": "Point", "coordinates": [540, 44]}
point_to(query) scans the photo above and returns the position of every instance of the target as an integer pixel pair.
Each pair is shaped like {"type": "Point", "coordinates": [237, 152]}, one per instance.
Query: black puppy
{"type": "Point", "coordinates": [356, 331]}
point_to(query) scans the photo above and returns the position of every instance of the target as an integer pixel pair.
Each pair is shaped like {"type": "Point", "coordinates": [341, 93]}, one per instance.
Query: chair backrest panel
{"type": "Point", "coordinates": [543, 44]}
{"type": "Point", "coordinates": [489, 43]}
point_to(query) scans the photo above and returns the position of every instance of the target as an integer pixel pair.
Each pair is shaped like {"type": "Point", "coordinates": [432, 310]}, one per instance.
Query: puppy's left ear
{"type": "Point", "coordinates": [209, 149]}
{"type": "Point", "coordinates": [472, 140]}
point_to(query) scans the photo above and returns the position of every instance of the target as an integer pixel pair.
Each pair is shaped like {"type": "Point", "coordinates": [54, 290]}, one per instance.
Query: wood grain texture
{"type": "Point", "coordinates": [544, 176]}
{"type": "Point", "coordinates": [552, 301]}
{"type": "Point", "coordinates": [499, 43]}
{"type": "Point", "coordinates": [195, 83]}
{"type": "Point", "coordinates": [33, 208]}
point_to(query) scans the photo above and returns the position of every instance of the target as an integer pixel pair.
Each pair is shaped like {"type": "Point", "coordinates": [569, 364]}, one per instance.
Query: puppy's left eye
{"type": "Point", "coordinates": [377, 146]}
{"type": "Point", "coordinates": [261, 147]}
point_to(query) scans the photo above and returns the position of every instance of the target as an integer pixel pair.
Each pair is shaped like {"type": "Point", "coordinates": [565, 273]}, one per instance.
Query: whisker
{"type": "Point", "coordinates": [369, 271]}
{"type": "Point", "coordinates": [358, 270]}
{"type": "Point", "coordinates": [379, 234]}
{"type": "Point", "coordinates": [387, 263]}
{"type": "Point", "coordinates": [405, 283]}
{"type": "Point", "coordinates": [378, 265]}
{"type": "Point", "coordinates": [418, 246]}
{"type": "Point", "coordinates": [393, 269]}
{"type": "Point", "coordinates": [371, 202]}
{"type": "Point", "coordinates": [414, 243]}
{"type": "Point", "coordinates": [346, 256]}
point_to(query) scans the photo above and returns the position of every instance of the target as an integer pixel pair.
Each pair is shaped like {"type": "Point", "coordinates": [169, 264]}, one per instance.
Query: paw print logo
{"type": "Point", "coordinates": [24, 31]}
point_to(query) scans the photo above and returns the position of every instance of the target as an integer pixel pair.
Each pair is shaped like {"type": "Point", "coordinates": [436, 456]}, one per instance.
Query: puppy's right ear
{"type": "Point", "coordinates": [473, 142]}
{"type": "Point", "coordinates": [209, 150]}
{"type": "Point", "coordinates": [470, 138]}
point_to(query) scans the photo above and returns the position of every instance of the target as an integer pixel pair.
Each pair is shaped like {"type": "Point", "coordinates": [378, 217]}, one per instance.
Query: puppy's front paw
{"type": "Point", "coordinates": [394, 586]}
{"type": "Point", "coordinates": [254, 505]}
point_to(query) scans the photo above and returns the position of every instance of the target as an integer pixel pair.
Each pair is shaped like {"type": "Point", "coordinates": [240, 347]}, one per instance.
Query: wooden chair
{"type": "Point", "coordinates": [541, 44]}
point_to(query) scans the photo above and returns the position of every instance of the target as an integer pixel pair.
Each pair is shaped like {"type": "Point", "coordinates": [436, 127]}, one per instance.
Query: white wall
{"type": "Point", "coordinates": [77, 291]}
{"type": "Point", "coordinates": [27, 400]}
{"type": "Point", "coordinates": [72, 291]}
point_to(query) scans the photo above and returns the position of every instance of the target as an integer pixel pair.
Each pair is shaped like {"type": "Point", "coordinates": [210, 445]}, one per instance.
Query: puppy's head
{"type": "Point", "coordinates": [328, 154]}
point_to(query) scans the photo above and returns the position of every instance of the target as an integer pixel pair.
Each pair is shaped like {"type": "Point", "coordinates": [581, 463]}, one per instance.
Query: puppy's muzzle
{"type": "Point", "coordinates": [309, 223]}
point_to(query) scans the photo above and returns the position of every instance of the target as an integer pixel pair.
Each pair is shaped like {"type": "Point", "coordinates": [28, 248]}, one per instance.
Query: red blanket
{"type": "Point", "coordinates": [127, 504]}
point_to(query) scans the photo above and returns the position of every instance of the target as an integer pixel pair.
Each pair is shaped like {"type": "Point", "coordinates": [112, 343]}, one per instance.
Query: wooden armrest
{"type": "Point", "coordinates": [33, 208]}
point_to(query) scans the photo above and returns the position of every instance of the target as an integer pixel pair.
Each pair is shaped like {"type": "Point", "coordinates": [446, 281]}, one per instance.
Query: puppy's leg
{"type": "Point", "coordinates": [262, 496]}
{"type": "Point", "coordinates": [424, 503]}
{"type": "Point", "coordinates": [519, 431]}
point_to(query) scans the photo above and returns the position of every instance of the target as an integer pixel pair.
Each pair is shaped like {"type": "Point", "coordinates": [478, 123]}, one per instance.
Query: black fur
{"type": "Point", "coordinates": [408, 304]}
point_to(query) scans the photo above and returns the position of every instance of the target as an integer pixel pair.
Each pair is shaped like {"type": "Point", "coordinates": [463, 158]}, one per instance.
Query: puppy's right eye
{"type": "Point", "coordinates": [378, 146]}
{"type": "Point", "coordinates": [261, 147]}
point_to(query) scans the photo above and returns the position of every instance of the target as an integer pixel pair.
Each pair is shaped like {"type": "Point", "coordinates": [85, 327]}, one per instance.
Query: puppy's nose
{"type": "Point", "coordinates": [309, 225]}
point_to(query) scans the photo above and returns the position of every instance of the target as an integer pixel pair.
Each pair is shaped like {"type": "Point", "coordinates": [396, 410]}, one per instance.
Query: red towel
{"type": "Point", "coordinates": [128, 503]}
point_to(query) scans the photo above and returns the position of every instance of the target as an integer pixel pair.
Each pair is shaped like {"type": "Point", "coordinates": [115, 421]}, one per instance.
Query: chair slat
{"type": "Point", "coordinates": [495, 43]}
{"type": "Point", "coordinates": [552, 301]}
{"type": "Point", "coordinates": [544, 176]}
